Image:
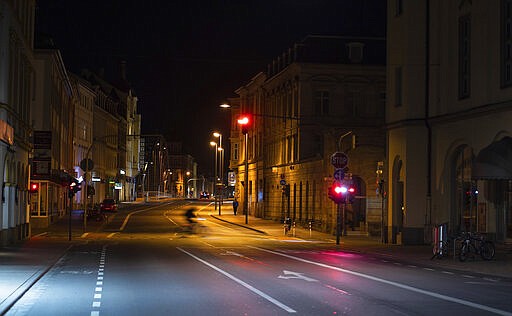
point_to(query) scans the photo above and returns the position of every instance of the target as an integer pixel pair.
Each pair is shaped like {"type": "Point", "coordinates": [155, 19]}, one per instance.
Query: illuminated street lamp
{"type": "Point", "coordinates": [214, 144]}
{"type": "Point", "coordinates": [244, 122]}
{"type": "Point", "coordinates": [221, 169]}
{"type": "Point", "coordinates": [188, 187]}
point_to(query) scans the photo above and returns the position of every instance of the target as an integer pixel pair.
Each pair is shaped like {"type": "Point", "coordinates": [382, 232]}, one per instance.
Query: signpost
{"type": "Point", "coordinates": [339, 160]}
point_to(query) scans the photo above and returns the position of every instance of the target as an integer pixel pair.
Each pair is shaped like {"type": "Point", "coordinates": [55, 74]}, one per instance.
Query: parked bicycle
{"type": "Point", "coordinates": [447, 248]}
{"type": "Point", "coordinates": [475, 243]}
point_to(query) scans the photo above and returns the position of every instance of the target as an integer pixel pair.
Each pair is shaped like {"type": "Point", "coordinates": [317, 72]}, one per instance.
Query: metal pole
{"type": "Point", "coordinates": [85, 180]}
{"type": "Point", "coordinates": [382, 218]}
{"type": "Point", "coordinates": [216, 176]}
{"type": "Point", "coordinates": [246, 182]}
{"type": "Point", "coordinates": [221, 178]}
{"type": "Point", "coordinates": [338, 222]}
{"type": "Point", "coordinates": [70, 210]}
{"type": "Point", "coordinates": [344, 222]}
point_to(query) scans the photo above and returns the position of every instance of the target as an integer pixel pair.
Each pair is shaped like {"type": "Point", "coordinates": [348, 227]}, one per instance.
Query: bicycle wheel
{"type": "Point", "coordinates": [463, 255]}
{"type": "Point", "coordinates": [487, 250]}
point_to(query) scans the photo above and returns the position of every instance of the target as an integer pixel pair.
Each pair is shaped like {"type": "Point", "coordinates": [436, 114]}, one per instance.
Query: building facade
{"type": "Point", "coordinates": [448, 117]}
{"type": "Point", "coordinates": [300, 108]}
{"type": "Point", "coordinates": [83, 134]}
{"type": "Point", "coordinates": [17, 82]}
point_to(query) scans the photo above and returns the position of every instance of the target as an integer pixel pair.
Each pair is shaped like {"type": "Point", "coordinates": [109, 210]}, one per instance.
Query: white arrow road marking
{"type": "Point", "coordinates": [244, 284]}
{"type": "Point", "coordinates": [295, 275]}
{"type": "Point", "coordinates": [392, 283]}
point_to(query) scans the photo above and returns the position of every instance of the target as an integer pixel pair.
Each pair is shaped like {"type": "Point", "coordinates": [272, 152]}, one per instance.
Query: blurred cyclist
{"type": "Point", "coordinates": [191, 218]}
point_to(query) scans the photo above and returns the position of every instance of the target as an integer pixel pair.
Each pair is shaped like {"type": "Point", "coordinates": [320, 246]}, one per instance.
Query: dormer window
{"type": "Point", "coordinates": [355, 52]}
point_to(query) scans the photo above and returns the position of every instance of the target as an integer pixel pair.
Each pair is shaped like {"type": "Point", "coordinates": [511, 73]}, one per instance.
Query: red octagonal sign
{"type": "Point", "coordinates": [339, 160]}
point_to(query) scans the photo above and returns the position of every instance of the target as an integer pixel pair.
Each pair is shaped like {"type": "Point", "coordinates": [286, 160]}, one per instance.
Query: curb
{"type": "Point", "coordinates": [240, 225]}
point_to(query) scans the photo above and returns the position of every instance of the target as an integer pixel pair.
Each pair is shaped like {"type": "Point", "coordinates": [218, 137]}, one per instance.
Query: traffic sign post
{"type": "Point", "coordinates": [339, 175]}
{"type": "Point", "coordinates": [339, 160]}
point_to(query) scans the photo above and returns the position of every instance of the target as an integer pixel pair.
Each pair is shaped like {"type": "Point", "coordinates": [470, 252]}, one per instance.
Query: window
{"type": "Point", "coordinates": [235, 151]}
{"type": "Point", "coordinates": [355, 52]}
{"type": "Point", "coordinates": [398, 86]}
{"type": "Point", "coordinates": [321, 103]}
{"type": "Point", "coordinates": [399, 7]}
{"type": "Point", "coordinates": [464, 55]}
{"type": "Point", "coordinates": [506, 43]}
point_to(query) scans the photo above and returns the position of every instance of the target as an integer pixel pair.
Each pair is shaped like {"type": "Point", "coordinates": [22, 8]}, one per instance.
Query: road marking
{"type": "Point", "coordinates": [392, 283]}
{"type": "Point", "coordinates": [336, 289]}
{"type": "Point", "coordinates": [295, 275]}
{"type": "Point", "coordinates": [246, 285]}
{"type": "Point", "coordinates": [111, 235]}
{"type": "Point", "coordinates": [96, 303]}
{"type": "Point", "coordinates": [84, 235]}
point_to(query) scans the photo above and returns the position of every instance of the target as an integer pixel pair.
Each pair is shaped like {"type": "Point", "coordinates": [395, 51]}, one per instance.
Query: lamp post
{"type": "Point", "coordinates": [188, 188]}
{"type": "Point", "coordinates": [214, 144]}
{"type": "Point", "coordinates": [221, 169]}
{"type": "Point", "coordinates": [244, 123]}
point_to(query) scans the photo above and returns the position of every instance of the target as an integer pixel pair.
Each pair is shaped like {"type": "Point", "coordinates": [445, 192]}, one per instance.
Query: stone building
{"type": "Point", "coordinates": [448, 117]}
{"type": "Point", "coordinates": [17, 83]}
{"type": "Point", "coordinates": [315, 92]}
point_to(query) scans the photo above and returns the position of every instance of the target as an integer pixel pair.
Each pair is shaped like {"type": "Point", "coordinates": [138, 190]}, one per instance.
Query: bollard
{"type": "Point", "coordinates": [293, 229]}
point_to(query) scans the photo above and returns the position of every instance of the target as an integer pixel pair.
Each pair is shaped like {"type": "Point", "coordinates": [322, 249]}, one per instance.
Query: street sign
{"type": "Point", "coordinates": [86, 164]}
{"type": "Point", "coordinates": [282, 182]}
{"type": "Point", "coordinates": [339, 174]}
{"type": "Point", "coordinates": [339, 160]}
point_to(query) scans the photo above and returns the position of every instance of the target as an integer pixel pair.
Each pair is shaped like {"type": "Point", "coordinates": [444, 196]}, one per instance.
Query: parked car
{"type": "Point", "coordinates": [108, 205]}
{"type": "Point", "coordinates": [205, 195]}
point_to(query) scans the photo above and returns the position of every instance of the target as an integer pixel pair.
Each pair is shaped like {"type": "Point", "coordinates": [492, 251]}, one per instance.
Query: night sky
{"type": "Point", "coordinates": [184, 58]}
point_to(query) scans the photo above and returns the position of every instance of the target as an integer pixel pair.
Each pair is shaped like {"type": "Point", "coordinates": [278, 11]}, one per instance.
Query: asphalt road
{"type": "Point", "coordinates": [146, 262]}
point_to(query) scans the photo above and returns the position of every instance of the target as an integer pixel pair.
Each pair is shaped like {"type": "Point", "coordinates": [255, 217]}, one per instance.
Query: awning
{"type": "Point", "coordinates": [494, 161]}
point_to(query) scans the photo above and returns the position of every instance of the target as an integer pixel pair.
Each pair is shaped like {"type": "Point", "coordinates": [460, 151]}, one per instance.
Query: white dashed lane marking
{"type": "Point", "coordinates": [96, 303]}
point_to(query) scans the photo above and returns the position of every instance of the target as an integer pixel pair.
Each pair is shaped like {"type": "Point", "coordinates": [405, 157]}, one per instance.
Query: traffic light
{"type": "Point", "coordinates": [74, 187]}
{"type": "Point", "coordinates": [286, 189]}
{"type": "Point", "coordinates": [351, 194]}
{"type": "Point", "coordinates": [342, 193]}
{"type": "Point", "coordinates": [34, 187]}
{"type": "Point", "coordinates": [244, 121]}
{"type": "Point", "coordinates": [336, 193]}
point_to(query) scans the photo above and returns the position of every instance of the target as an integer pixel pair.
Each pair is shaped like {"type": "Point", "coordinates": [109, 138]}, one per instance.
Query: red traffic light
{"type": "Point", "coordinates": [244, 121]}
{"type": "Point", "coordinates": [34, 187]}
{"type": "Point", "coordinates": [341, 193]}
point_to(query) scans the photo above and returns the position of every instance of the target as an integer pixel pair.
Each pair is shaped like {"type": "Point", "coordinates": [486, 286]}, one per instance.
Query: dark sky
{"type": "Point", "coordinates": [184, 58]}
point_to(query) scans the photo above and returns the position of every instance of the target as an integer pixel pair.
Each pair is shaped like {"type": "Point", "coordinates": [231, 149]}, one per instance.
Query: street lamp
{"type": "Point", "coordinates": [244, 123]}
{"type": "Point", "coordinates": [188, 187]}
{"type": "Point", "coordinates": [221, 168]}
{"type": "Point", "coordinates": [214, 144]}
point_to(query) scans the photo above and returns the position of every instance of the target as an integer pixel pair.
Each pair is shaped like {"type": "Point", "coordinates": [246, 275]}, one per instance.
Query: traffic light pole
{"type": "Point", "coordinates": [246, 182]}
{"type": "Point", "coordinates": [70, 210]}
{"type": "Point", "coordinates": [340, 207]}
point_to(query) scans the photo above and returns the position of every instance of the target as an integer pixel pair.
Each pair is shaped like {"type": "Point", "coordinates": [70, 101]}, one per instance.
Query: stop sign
{"type": "Point", "coordinates": [339, 160]}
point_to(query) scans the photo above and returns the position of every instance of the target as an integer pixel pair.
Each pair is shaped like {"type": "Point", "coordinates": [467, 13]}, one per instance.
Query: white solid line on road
{"type": "Point", "coordinates": [396, 284]}
{"type": "Point", "coordinates": [237, 280]}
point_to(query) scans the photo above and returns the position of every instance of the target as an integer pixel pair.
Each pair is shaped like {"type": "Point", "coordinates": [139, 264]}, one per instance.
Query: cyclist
{"type": "Point", "coordinates": [191, 217]}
